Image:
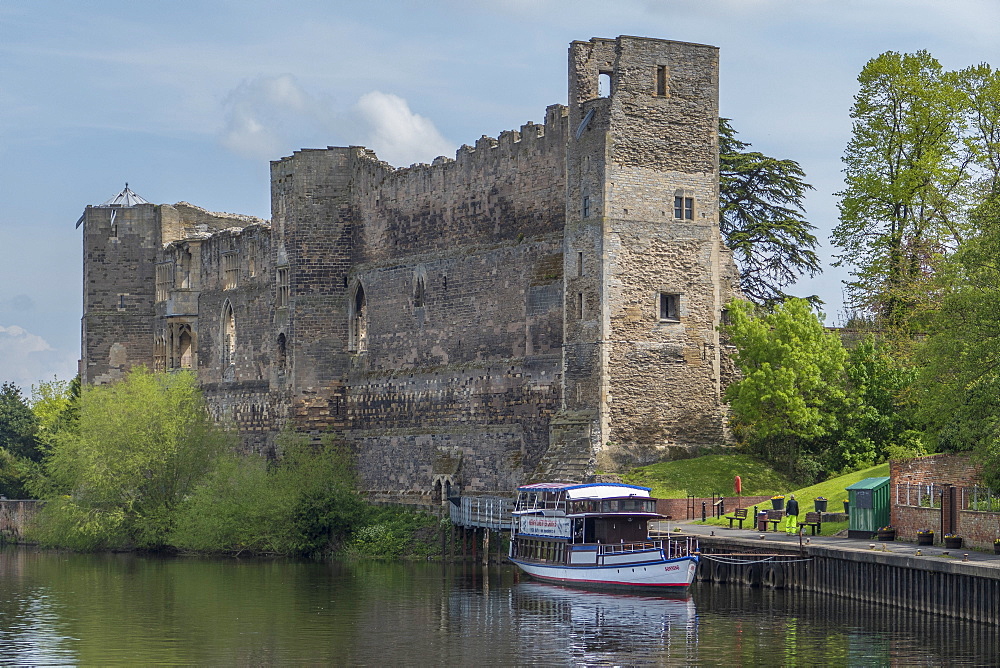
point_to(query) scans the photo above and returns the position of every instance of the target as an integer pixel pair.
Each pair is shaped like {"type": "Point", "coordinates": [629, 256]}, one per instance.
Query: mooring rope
{"type": "Point", "coordinates": [731, 560]}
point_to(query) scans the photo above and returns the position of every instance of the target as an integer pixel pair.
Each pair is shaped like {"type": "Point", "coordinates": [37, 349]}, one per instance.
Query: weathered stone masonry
{"type": "Point", "coordinates": [546, 301]}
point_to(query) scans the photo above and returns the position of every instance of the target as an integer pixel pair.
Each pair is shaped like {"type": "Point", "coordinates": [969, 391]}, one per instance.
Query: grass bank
{"type": "Point", "coordinates": [711, 474]}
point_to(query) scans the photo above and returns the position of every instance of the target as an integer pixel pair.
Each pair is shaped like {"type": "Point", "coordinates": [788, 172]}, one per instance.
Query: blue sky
{"type": "Point", "coordinates": [188, 101]}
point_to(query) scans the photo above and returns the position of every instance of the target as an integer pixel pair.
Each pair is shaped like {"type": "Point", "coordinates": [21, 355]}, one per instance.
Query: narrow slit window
{"type": "Point", "coordinates": [418, 294]}
{"type": "Point", "coordinates": [586, 206]}
{"type": "Point", "coordinates": [281, 296]}
{"type": "Point", "coordinates": [669, 306]}
{"type": "Point", "coordinates": [579, 263]}
{"type": "Point", "coordinates": [579, 306]}
{"type": "Point", "coordinates": [661, 80]}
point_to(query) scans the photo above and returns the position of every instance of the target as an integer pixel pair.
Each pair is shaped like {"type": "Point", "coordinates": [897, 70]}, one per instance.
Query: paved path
{"type": "Point", "coordinates": [901, 548]}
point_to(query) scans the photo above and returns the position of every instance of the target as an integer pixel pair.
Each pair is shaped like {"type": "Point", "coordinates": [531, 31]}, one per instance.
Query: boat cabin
{"type": "Point", "coordinates": [549, 516]}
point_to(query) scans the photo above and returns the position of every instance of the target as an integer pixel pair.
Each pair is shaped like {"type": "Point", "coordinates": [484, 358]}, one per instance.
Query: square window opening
{"type": "Point", "coordinates": [670, 307]}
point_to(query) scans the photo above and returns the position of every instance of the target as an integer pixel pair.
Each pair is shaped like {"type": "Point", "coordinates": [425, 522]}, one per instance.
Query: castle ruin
{"type": "Point", "coordinates": [543, 304]}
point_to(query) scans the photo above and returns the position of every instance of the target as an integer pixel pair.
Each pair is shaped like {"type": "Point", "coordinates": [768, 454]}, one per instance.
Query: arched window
{"type": "Point", "coordinates": [359, 320]}
{"type": "Point", "coordinates": [228, 336]}
{"type": "Point", "coordinates": [282, 352]}
{"type": "Point", "coordinates": [185, 347]}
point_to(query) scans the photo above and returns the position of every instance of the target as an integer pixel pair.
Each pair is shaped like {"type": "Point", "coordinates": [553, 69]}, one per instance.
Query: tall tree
{"type": "Point", "coordinates": [900, 210]}
{"type": "Point", "coordinates": [980, 84]}
{"type": "Point", "coordinates": [18, 425]}
{"type": "Point", "coordinates": [761, 215]}
{"type": "Point", "coordinates": [958, 388]}
{"type": "Point", "coordinates": [788, 405]}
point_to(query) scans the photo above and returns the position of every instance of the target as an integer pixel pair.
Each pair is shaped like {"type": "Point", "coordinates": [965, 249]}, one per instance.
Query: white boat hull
{"type": "Point", "coordinates": [671, 574]}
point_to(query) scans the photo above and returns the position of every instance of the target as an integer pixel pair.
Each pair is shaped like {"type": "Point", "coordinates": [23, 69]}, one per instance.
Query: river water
{"type": "Point", "coordinates": [58, 608]}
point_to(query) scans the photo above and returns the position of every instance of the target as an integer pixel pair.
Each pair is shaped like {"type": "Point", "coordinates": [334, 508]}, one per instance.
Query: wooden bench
{"type": "Point", "coordinates": [814, 521]}
{"type": "Point", "coordinates": [738, 515]}
{"type": "Point", "coordinates": [775, 517]}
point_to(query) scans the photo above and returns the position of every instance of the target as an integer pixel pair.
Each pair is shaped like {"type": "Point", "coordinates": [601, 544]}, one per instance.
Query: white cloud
{"type": "Point", "coordinates": [398, 135]}
{"type": "Point", "coordinates": [271, 116]}
{"type": "Point", "coordinates": [26, 358]}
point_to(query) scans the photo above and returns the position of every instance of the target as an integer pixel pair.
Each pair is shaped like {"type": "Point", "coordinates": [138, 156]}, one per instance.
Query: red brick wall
{"type": "Point", "coordinates": [946, 469]}
{"type": "Point", "coordinates": [979, 529]}
{"type": "Point", "coordinates": [678, 508]}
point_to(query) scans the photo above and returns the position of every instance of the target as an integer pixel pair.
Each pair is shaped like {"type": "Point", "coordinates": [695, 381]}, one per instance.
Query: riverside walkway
{"type": "Point", "coordinates": [959, 583]}
{"type": "Point", "coordinates": [897, 547]}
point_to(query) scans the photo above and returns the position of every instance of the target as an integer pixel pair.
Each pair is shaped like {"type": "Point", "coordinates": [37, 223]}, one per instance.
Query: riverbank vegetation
{"type": "Point", "coordinates": [140, 464]}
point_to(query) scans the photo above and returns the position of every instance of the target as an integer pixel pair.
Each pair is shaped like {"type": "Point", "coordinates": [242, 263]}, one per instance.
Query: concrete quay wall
{"type": "Point", "coordinates": [935, 584]}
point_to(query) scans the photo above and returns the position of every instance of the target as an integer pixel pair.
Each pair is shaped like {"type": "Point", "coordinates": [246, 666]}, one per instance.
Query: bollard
{"type": "Point", "coordinates": [702, 511]}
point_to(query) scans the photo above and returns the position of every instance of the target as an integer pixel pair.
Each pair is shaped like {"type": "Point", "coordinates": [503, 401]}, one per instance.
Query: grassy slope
{"type": "Point", "coordinates": [704, 476]}
{"type": "Point", "coordinates": [834, 490]}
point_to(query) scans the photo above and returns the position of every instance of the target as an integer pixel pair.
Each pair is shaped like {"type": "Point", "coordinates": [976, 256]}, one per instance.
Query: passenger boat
{"type": "Point", "coordinates": [596, 535]}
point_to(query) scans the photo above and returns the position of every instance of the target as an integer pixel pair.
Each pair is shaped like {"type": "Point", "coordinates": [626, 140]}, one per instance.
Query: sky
{"type": "Point", "coordinates": [189, 101]}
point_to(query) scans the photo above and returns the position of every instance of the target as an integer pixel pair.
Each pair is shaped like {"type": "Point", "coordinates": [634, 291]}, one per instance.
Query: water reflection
{"type": "Point", "coordinates": [595, 627]}
{"type": "Point", "coordinates": [127, 609]}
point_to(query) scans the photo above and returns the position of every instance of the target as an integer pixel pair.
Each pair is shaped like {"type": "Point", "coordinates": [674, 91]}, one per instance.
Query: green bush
{"type": "Point", "coordinates": [391, 532]}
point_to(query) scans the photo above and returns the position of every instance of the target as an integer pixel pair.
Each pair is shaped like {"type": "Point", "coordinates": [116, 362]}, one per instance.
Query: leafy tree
{"type": "Point", "coordinates": [56, 405]}
{"type": "Point", "coordinates": [788, 405]}
{"type": "Point", "coordinates": [878, 424]}
{"type": "Point", "coordinates": [901, 208]}
{"type": "Point", "coordinates": [18, 425]}
{"type": "Point", "coordinates": [761, 216]}
{"type": "Point", "coordinates": [980, 84]}
{"type": "Point", "coordinates": [143, 445]}
{"type": "Point", "coordinates": [958, 388]}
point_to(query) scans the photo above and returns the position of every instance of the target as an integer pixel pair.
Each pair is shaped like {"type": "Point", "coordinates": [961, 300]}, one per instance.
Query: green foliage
{"type": "Point", "coordinates": [18, 424]}
{"type": "Point", "coordinates": [958, 393]}
{"type": "Point", "coordinates": [878, 423]}
{"type": "Point", "coordinates": [19, 447]}
{"type": "Point", "coordinates": [789, 402]}
{"type": "Point", "coordinates": [143, 445]}
{"type": "Point", "coordinates": [236, 508]}
{"type": "Point", "coordinates": [304, 504]}
{"type": "Point", "coordinates": [907, 182]}
{"type": "Point", "coordinates": [391, 532]}
{"type": "Point", "coordinates": [761, 217]}
{"type": "Point", "coordinates": [807, 405]}
{"type": "Point", "coordinates": [56, 405]}
{"type": "Point", "coordinates": [707, 475]}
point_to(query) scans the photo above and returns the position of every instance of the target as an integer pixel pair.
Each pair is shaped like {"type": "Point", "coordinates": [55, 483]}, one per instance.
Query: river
{"type": "Point", "coordinates": [66, 609]}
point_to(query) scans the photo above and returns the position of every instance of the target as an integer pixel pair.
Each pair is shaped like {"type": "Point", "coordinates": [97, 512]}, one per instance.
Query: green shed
{"type": "Point", "coordinates": [869, 501]}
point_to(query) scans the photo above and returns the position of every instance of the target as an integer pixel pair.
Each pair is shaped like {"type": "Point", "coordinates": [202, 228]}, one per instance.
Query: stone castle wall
{"type": "Point", "coordinates": [467, 324]}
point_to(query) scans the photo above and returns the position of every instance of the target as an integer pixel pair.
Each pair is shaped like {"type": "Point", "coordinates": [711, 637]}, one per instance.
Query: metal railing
{"type": "Point", "coordinates": [919, 495]}
{"type": "Point", "coordinates": [621, 548]}
{"type": "Point", "coordinates": [980, 499]}
{"type": "Point", "coordinates": [485, 512]}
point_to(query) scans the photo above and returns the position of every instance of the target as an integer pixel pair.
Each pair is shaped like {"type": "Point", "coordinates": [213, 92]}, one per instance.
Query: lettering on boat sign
{"type": "Point", "coordinates": [546, 526]}
{"type": "Point", "coordinates": [675, 567]}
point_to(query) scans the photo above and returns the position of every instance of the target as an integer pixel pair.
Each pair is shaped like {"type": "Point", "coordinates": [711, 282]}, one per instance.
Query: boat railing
{"type": "Point", "coordinates": [620, 548]}
{"type": "Point", "coordinates": [673, 548]}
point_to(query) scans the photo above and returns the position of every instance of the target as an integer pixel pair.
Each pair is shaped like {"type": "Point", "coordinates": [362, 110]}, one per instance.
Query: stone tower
{"type": "Point", "coordinates": [120, 242]}
{"type": "Point", "coordinates": [646, 272]}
